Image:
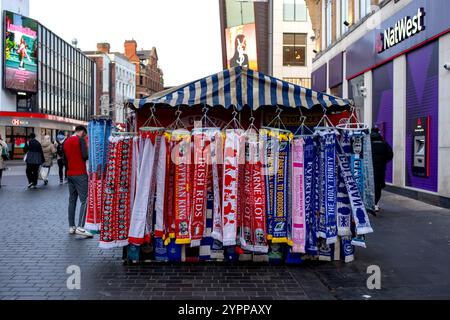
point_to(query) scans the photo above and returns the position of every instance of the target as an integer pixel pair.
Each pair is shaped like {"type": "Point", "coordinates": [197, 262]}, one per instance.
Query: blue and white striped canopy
{"type": "Point", "coordinates": [240, 87]}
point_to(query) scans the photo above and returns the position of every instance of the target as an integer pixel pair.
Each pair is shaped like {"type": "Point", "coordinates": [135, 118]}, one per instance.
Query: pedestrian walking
{"type": "Point", "coordinates": [381, 154]}
{"type": "Point", "coordinates": [59, 144]}
{"type": "Point", "coordinates": [34, 158]}
{"type": "Point", "coordinates": [76, 155]}
{"type": "Point", "coordinates": [4, 155]}
{"type": "Point", "coordinates": [49, 150]}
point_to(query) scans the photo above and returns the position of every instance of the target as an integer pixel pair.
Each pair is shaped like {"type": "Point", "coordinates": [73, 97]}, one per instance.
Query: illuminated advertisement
{"type": "Point", "coordinates": [241, 47]}
{"type": "Point", "coordinates": [20, 53]}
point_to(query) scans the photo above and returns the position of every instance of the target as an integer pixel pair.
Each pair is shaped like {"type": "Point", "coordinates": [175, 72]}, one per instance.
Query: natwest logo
{"type": "Point", "coordinates": [402, 30]}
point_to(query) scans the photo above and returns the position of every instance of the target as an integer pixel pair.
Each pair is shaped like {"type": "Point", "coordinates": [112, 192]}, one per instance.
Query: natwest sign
{"type": "Point", "coordinates": [402, 30]}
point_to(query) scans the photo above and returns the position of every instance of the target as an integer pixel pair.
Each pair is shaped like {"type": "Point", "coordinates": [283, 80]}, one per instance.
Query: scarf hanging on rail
{"type": "Point", "coordinates": [330, 188]}
{"type": "Point", "coordinates": [310, 160]}
{"type": "Point", "coordinates": [270, 148]}
{"type": "Point", "coordinates": [147, 144]}
{"type": "Point", "coordinates": [321, 222]}
{"type": "Point", "coordinates": [216, 170]}
{"type": "Point", "coordinates": [232, 153]}
{"type": "Point", "coordinates": [116, 209]}
{"type": "Point", "coordinates": [298, 196]}
{"type": "Point", "coordinates": [362, 223]}
{"type": "Point", "coordinates": [169, 218]}
{"type": "Point", "coordinates": [357, 162]}
{"type": "Point", "coordinates": [369, 182]}
{"type": "Point", "coordinates": [281, 189]}
{"type": "Point", "coordinates": [99, 131]}
{"type": "Point", "coordinates": [202, 151]}
{"type": "Point", "coordinates": [162, 181]}
{"type": "Point", "coordinates": [344, 209]}
{"type": "Point", "coordinates": [182, 181]}
{"type": "Point", "coordinates": [253, 237]}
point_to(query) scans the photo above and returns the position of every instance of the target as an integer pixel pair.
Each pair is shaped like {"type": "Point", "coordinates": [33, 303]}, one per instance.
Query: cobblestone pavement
{"type": "Point", "coordinates": [411, 245]}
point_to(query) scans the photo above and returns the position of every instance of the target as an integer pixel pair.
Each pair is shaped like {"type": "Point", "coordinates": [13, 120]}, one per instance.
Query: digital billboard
{"type": "Point", "coordinates": [20, 71]}
{"type": "Point", "coordinates": [241, 47]}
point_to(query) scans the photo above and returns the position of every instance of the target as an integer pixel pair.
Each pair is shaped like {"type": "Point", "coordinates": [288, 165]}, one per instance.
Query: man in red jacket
{"type": "Point", "coordinates": [76, 155]}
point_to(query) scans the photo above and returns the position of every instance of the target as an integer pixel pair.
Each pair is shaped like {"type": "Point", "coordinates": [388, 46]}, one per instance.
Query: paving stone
{"type": "Point", "coordinates": [34, 263]}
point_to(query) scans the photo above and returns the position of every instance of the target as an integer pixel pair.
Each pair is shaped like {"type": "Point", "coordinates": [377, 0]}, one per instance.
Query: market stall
{"type": "Point", "coordinates": [209, 176]}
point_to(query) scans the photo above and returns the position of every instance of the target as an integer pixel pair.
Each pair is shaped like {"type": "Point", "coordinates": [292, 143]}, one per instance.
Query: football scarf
{"type": "Point", "coordinates": [201, 148]}
{"type": "Point", "coordinates": [330, 188]}
{"type": "Point", "coordinates": [344, 208]}
{"type": "Point", "coordinates": [169, 217]}
{"type": "Point", "coordinates": [139, 229]}
{"type": "Point", "coordinates": [310, 157]}
{"type": "Point", "coordinates": [281, 189]}
{"type": "Point", "coordinates": [369, 182]}
{"type": "Point", "coordinates": [182, 191]}
{"type": "Point", "coordinates": [216, 164]}
{"type": "Point", "coordinates": [253, 236]}
{"type": "Point", "coordinates": [230, 194]}
{"type": "Point", "coordinates": [162, 172]}
{"type": "Point", "coordinates": [98, 131]}
{"type": "Point", "coordinates": [321, 189]}
{"type": "Point", "coordinates": [270, 149]}
{"type": "Point", "coordinates": [357, 162]}
{"type": "Point", "coordinates": [348, 250]}
{"type": "Point", "coordinates": [358, 209]}
{"type": "Point", "coordinates": [298, 197]}
{"type": "Point", "coordinates": [116, 210]}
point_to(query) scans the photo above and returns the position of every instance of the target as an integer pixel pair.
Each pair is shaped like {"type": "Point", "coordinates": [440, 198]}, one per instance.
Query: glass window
{"type": "Point", "coordinates": [364, 8]}
{"type": "Point", "coordinates": [239, 13]}
{"type": "Point", "coordinates": [344, 16]}
{"type": "Point", "coordinates": [295, 10]}
{"type": "Point", "coordinates": [294, 49]}
{"type": "Point", "coordinates": [329, 22]}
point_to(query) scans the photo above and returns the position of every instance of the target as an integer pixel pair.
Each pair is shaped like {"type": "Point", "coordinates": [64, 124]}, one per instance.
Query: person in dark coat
{"type": "Point", "coordinates": [381, 154]}
{"type": "Point", "coordinates": [34, 159]}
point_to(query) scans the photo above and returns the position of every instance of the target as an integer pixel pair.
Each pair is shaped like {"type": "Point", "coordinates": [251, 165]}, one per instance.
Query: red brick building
{"type": "Point", "coordinates": [149, 77]}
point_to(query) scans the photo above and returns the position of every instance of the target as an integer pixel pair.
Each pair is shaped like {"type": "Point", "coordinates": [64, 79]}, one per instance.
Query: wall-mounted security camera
{"type": "Point", "coordinates": [447, 66]}
{"type": "Point", "coordinates": [363, 91]}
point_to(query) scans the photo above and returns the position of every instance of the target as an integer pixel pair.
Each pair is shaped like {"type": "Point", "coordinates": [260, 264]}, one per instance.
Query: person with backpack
{"type": "Point", "coordinates": [60, 139]}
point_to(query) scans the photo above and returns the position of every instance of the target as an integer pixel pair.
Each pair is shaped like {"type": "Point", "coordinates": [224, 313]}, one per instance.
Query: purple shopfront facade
{"type": "Point", "coordinates": [421, 52]}
{"type": "Point", "coordinates": [422, 81]}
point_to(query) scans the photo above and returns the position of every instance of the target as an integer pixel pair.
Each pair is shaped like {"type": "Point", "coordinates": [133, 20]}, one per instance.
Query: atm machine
{"type": "Point", "coordinates": [421, 145]}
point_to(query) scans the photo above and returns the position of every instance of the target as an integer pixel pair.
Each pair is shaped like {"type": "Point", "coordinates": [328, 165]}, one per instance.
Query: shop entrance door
{"type": "Point", "coordinates": [16, 138]}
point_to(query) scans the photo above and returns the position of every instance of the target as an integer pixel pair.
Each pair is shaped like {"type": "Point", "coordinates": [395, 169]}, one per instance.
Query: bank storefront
{"type": "Point", "coordinates": [16, 127]}
{"type": "Point", "coordinates": [398, 74]}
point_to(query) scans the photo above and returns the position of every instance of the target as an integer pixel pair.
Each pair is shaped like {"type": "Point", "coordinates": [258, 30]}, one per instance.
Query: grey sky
{"type": "Point", "coordinates": [186, 33]}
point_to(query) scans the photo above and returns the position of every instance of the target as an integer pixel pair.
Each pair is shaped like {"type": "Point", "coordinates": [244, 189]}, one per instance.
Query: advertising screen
{"type": "Point", "coordinates": [20, 53]}
{"type": "Point", "coordinates": [241, 47]}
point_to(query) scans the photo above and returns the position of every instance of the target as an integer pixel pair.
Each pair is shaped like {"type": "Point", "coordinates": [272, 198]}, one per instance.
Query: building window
{"type": "Point", "coordinates": [344, 16]}
{"type": "Point", "coordinates": [303, 82]}
{"type": "Point", "coordinates": [295, 10]}
{"type": "Point", "coordinates": [294, 49]}
{"type": "Point", "coordinates": [364, 8]}
{"type": "Point", "coordinates": [329, 20]}
{"type": "Point", "coordinates": [239, 13]}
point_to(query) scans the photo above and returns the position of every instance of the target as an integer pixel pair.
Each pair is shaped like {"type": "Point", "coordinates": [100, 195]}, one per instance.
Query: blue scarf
{"type": "Point", "coordinates": [358, 209]}
{"type": "Point", "coordinates": [310, 187]}
{"type": "Point", "coordinates": [269, 167]}
{"type": "Point", "coordinates": [321, 226]}
{"type": "Point", "coordinates": [344, 208]}
{"type": "Point", "coordinates": [330, 188]}
{"type": "Point", "coordinates": [280, 201]}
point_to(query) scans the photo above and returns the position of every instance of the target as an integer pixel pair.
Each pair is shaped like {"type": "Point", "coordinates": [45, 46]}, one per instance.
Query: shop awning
{"type": "Point", "coordinates": [240, 87]}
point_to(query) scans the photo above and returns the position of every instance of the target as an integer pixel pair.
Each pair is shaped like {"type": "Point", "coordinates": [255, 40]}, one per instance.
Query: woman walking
{"type": "Point", "coordinates": [60, 139]}
{"type": "Point", "coordinates": [49, 151]}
